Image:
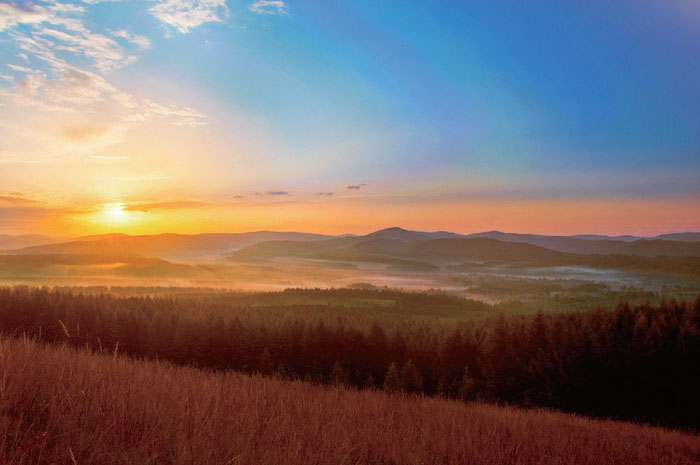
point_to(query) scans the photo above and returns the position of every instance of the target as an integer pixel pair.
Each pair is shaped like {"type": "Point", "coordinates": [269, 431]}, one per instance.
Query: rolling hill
{"type": "Point", "coordinates": [165, 246]}
{"type": "Point", "coordinates": [8, 242]}
{"type": "Point", "coordinates": [649, 247]}
{"type": "Point", "coordinates": [448, 248]}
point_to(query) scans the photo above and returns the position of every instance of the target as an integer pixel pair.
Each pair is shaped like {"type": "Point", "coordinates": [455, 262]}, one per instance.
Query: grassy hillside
{"type": "Point", "coordinates": [66, 407]}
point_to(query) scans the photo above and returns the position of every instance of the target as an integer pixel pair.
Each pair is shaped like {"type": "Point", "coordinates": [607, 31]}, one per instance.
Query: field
{"type": "Point", "coordinates": [63, 406]}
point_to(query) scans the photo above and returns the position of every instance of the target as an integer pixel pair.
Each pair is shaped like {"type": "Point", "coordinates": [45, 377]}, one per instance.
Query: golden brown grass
{"type": "Point", "coordinates": [66, 407]}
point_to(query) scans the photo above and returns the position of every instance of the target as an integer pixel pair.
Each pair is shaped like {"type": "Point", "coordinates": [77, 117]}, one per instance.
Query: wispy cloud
{"type": "Point", "coordinates": [16, 198]}
{"type": "Point", "coordinates": [277, 193]}
{"type": "Point", "coordinates": [170, 205]}
{"type": "Point", "coordinates": [74, 61]}
{"type": "Point", "coordinates": [109, 157]}
{"type": "Point", "coordinates": [325, 194]}
{"type": "Point", "coordinates": [22, 69]}
{"type": "Point", "coordinates": [269, 7]}
{"type": "Point", "coordinates": [11, 15]}
{"type": "Point", "coordinates": [141, 42]}
{"type": "Point", "coordinates": [355, 187]}
{"type": "Point", "coordinates": [84, 132]}
{"type": "Point", "coordinates": [185, 15]}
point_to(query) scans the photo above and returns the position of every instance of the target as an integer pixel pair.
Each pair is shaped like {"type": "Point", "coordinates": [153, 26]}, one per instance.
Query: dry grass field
{"type": "Point", "coordinates": [59, 405]}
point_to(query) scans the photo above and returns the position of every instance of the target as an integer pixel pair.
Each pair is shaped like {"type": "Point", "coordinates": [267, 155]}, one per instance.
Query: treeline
{"type": "Point", "coordinates": [640, 363]}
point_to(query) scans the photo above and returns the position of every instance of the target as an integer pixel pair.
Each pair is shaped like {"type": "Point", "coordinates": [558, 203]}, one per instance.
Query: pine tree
{"type": "Point", "coordinates": [411, 379]}
{"type": "Point", "coordinates": [339, 377]}
{"type": "Point", "coordinates": [392, 380]}
{"type": "Point", "coordinates": [537, 335]}
{"type": "Point", "coordinates": [369, 383]}
{"type": "Point", "coordinates": [466, 389]}
{"type": "Point", "coordinates": [265, 363]}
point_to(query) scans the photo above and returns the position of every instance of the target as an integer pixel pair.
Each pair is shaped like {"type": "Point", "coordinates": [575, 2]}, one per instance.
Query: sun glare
{"type": "Point", "coordinates": [115, 210]}
{"type": "Point", "coordinates": [114, 214]}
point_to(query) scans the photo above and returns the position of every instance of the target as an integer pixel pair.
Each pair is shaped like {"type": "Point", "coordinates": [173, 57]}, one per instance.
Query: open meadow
{"type": "Point", "coordinates": [67, 406]}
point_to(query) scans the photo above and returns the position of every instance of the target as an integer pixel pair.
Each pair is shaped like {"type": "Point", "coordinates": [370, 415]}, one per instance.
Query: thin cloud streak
{"type": "Point", "coordinates": [185, 15]}
{"type": "Point", "coordinates": [169, 205]}
{"type": "Point", "coordinates": [269, 7]}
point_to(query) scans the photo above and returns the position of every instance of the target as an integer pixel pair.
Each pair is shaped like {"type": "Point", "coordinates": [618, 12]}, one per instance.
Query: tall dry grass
{"type": "Point", "coordinates": [62, 406]}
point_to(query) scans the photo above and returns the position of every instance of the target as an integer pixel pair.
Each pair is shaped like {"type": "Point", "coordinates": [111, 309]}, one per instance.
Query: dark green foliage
{"type": "Point", "coordinates": [640, 363]}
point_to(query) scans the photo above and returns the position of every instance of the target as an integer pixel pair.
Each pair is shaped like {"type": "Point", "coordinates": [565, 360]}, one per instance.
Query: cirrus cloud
{"type": "Point", "coordinates": [269, 7]}
{"type": "Point", "coordinates": [185, 15]}
{"type": "Point", "coordinates": [169, 205]}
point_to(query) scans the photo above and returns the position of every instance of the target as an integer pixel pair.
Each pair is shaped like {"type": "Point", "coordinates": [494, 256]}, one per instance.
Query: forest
{"type": "Point", "coordinates": [633, 362]}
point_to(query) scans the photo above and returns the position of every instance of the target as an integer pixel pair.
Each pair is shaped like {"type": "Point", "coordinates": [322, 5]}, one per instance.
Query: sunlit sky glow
{"type": "Point", "coordinates": [335, 116]}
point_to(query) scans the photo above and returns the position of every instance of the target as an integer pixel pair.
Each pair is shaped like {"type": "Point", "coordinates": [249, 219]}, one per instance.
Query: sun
{"type": "Point", "coordinates": [115, 214]}
{"type": "Point", "coordinates": [115, 211]}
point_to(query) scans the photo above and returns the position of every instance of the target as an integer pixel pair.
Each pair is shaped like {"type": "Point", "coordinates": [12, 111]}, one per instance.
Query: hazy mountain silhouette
{"type": "Point", "coordinates": [165, 246]}
{"type": "Point", "coordinates": [684, 236]}
{"type": "Point", "coordinates": [386, 244]}
{"type": "Point", "coordinates": [8, 242]}
{"type": "Point", "coordinates": [407, 235]}
{"type": "Point", "coordinates": [600, 245]}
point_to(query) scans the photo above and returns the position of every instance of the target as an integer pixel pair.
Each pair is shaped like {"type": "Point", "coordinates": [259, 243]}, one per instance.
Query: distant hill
{"type": "Point", "coordinates": [165, 246]}
{"type": "Point", "coordinates": [370, 249]}
{"type": "Point", "coordinates": [598, 237]}
{"type": "Point", "coordinates": [390, 243]}
{"type": "Point", "coordinates": [684, 237]}
{"type": "Point", "coordinates": [72, 265]}
{"type": "Point", "coordinates": [8, 242]}
{"type": "Point", "coordinates": [423, 251]}
{"type": "Point", "coordinates": [406, 235]}
{"type": "Point", "coordinates": [571, 244]}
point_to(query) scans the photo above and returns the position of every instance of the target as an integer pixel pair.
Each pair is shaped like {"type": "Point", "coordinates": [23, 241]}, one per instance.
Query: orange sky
{"type": "Point", "coordinates": [350, 215]}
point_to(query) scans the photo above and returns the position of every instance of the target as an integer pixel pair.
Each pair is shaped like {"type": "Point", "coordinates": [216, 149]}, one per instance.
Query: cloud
{"type": "Point", "coordinates": [277, 193]}
{"type": "Point", "coordinates": [84, 132]}
{"type": "Point", "coordinates": [325, 194]}
{"type": "Point", "coordinates": [185, 15]}
{"type": "Point", "coordinates": [22, 69]}
{"type": "Point", "coordinates": [355, 187]}
{"type": "Point", "coordinates": [30, 85]}
{"type": "Point", "coordinates": [17, 198]}
{"type": "Point", "coordinates": [269, 7]}
{"type": "Point", "coordinates": [11, 15]}
{"type": "Point", "coordinates": [57, 37]}
{"type": "Point", "coordinates": [183, 116]}
{"type": "Point", "coordinates": [109, 157]}
{"type": "Point", "coordinates": [140, 41]}
{"type": "Point", "coordinates": [170, 205]}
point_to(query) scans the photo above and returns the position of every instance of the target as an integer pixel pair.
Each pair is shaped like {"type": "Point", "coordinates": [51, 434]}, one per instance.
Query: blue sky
{"type": "Point", "coordinates": [557, 101]}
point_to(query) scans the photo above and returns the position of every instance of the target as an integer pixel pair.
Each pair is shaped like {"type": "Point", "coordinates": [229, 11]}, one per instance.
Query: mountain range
{"type": "Point", "coordinates": [391, 245]}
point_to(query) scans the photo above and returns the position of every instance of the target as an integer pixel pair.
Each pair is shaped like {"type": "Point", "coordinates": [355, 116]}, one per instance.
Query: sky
{"type": "Point", "coordinates": [337, 117]}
